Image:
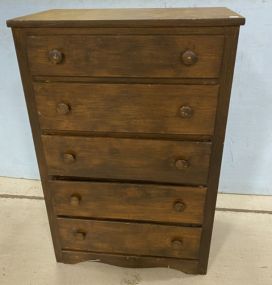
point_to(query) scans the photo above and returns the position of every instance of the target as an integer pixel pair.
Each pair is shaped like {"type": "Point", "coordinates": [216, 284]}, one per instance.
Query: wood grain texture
{"type": "Point", "coordinates": [129, 201]}
{"type": "Point", "coordinates": [130, 17]}
{"type": "Point", "coordinates": [141, 62]}
{"type": "Point", "coordinates": [130, 108]}
{"type": "Point", "coordinates": [145, 160]}
{"type": "Point", "coordinates": [126, 31]}
{"type": "Point", "coordinates": [189, 266]}
{"type": "Point", "coordinates": [126, 55]}
{"type": "Point", "coordinates": [130, 238]}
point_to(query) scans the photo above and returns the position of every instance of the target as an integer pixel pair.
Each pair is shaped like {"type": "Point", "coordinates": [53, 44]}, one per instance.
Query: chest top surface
{"type": "Point", "coordinates": [130, 17]}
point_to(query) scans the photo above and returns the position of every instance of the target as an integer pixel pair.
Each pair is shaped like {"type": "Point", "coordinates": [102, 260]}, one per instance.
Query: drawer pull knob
{"type": "Point", "coordinates": [75, 200]}
{"type": "Point", "coordinates": [55, 56]}
{"type": "Point", "coordinates": [177, 243]}
{"type": "Point", "coordinates": [69, 158]}
{"type": "Point", "coordinates": [179, 206]}
{"type": "Point", "coordinates": [63, 108]}
{"type": "Point", "coordinates": [80, 236]}
{"type": "Point", "coordinates": [189, 57]}
{"type": "Point", "coordinates": [182, 164]}
{"type": "Point", "coordinates": [186, 112]}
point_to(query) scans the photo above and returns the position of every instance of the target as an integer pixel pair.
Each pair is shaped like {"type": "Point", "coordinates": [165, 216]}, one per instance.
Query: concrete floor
{"type": "Point", "coordinates": [241, 251]}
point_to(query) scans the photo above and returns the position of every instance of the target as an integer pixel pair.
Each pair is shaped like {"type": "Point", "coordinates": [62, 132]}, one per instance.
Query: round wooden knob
{"type": "Point", "coordinates": [189, 57]}
{"type": "Point", "coordinates": [80, 236]}
{"type": "Point", "coordinates": [55, 56]}
{"type": "Point", "coordinates": [182, 164]}
{"type": "Point", "coordinates": [179, 206]}
{"type": "Point", "coordinates": [63, 108]}
{"type": "Point", "coordinates": [177, 243]}
{"type": "Point", "coordinates": [75, 200]}
{"type": "Point", "coordinates": [186, 112]}
{"type": "Point", "coordinates": [68, 157]}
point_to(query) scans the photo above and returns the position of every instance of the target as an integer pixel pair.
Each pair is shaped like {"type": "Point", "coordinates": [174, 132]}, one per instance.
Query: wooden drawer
{"type": "Point", "coordinates": [126, 55]}
{"type": "Point", "coordinates": [174, 204]}
{"type": "Point", "coordinates": [133, 159]}
{"type": "Point", "coordinates": [143, 108]}
{"type": "Point", "coordinates": [129, 238]}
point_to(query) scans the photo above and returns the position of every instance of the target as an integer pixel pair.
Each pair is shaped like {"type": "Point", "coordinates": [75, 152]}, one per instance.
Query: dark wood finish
{"type": "Point", "coordinates": [130, 238]}
{"type": "Point", "coordinates": [218, 144]}
{"type": "Point", "coordinates": [189, 57]}
{"type": "Point", "coordinates": [133, 108]}
{"type": "Point", "coordinates": [153, 136]}
{"type": "Point", "coordinates": [55, 56]}
{"type": "Point", "coordinates": [127, 31]}
{"type": "Point", "coordinates": [128, 207]}
{"type": "Point", "coordinates": [130, 17]}
{"type": "Point", "coordinates": [144, 160]}
{"type": "Point", "coordinates": [181, 137]}
{"type": "Point", "coordinates": [172, 204]}
{"type": "Point", "coordinates": [189, 266]}
{"type": "Point", "coordinates": [20, 45]}
{"type": "Point", "coordinates": [78, 79]}
{"type": "Point", "coordinates": [112, 56]}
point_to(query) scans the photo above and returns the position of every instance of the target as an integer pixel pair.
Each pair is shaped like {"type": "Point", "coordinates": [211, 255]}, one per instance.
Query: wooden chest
{"type": "Point", "coordinates": [128, 109]}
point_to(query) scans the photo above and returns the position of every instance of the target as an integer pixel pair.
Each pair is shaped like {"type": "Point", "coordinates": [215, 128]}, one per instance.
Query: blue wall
{"type": "Point", "coordinates": [247, 161]}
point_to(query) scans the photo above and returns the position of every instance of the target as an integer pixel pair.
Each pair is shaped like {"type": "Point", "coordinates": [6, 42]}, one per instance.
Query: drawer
{"type": "Point", "coordinates": [129, 238]}
{"type": "Point", "coordinates": [122, 158]}
{"type": "Point", "coordinates": [129, 201]}
{"type": "Point", "coordinates": [126, 55]}
{"type": "Point", "coordinates": [143, 108]}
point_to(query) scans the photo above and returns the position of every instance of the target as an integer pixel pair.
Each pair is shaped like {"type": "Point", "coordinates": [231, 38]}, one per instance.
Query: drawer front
{"type": "Point", "coordinates": [129, 238]}
{"type": "Point", "coordinates": [172, 109]}
{"type": "Point", "coordinates": [134, 159]}
{"type": "Point", "coordinates": [129, 201]}
{"type": "Point", "coordinates": [126, 55]}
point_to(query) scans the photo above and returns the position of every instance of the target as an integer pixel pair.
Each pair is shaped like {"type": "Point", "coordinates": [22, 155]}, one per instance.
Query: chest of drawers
{"type": "Point", "coordinates": [128, 109]}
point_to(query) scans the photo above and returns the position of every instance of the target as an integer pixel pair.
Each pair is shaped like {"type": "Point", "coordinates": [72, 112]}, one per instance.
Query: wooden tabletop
{"type": "Point", "coordinates": [163, 17]}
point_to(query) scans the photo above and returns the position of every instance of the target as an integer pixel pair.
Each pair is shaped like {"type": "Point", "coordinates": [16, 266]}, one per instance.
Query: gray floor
{"type": "Point", "coordinates": [241, 250]}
